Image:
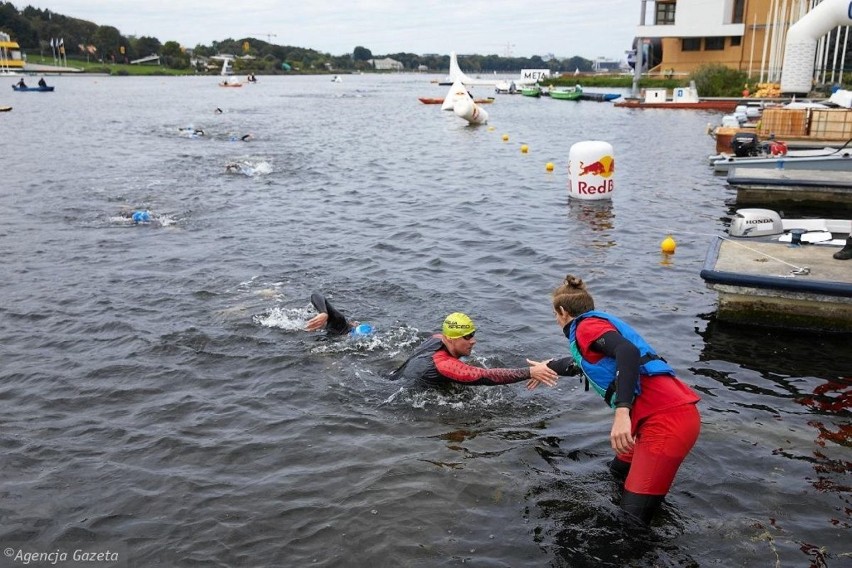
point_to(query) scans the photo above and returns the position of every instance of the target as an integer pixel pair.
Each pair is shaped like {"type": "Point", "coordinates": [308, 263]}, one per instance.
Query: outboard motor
{"type": "Point", "coordinates": [745, 144]}
{"type": "Point", "coordinates": [755, 223]}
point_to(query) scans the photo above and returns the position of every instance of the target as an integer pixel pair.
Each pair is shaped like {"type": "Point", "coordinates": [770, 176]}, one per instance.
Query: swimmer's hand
{"type": "Point", "coordinates": [317, 322]}
{"type": "Point", "coordinates": [540, 373]}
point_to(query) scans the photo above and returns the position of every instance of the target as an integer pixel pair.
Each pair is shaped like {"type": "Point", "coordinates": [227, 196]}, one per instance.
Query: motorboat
{"type": "Point", "coordinates": [531, 91]}
{"type": "Point", "coordinates": [827, 159]}
{"type": "Point", "coordinates": [776, 271]}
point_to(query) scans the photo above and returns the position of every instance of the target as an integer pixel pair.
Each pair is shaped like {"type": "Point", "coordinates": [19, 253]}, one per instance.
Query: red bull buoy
{"type": "Point", "coordinates": [591, 166]}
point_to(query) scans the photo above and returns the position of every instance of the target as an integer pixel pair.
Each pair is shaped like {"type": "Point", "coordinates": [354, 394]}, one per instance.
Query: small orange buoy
{"type": "Point", "coordinates": [668, 245]}
{"type": "Point", "coordinates": [524, 148]}
{"type": "Point", "coordinates": [549, 166]}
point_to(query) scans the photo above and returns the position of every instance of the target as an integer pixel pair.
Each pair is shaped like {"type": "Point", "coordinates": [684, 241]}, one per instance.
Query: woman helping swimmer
{"type": "Point", "coordinates": [656, 420]}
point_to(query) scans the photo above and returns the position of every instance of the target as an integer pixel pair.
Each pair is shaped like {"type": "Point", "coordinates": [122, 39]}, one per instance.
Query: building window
{"type": "Point", "coordinates": [690, 44]}
{"type": "Point", "coordinates": [665, 14]}
{"type": "Point", "coordinates": [714, 43]}
{"type": "Point", "coordinates": [736, 40]}
{"type": "Point", "coordinates": [739, 9]}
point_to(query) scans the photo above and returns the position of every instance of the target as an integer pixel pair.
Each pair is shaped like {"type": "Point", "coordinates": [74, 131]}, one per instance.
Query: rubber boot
{"type": "Point", "coordinates": [641, 506]}
{"type": "Point", "coordinates": [619, 468]}
{"type": "Point", "coordinates": [846, 252]}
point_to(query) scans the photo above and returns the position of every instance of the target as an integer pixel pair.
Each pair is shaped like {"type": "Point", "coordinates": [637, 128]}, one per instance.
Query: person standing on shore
{"type": "Point", "coordinates": [656, 420]}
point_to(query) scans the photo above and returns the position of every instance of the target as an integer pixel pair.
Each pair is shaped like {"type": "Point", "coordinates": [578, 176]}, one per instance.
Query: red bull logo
{"type": "Point", "coordinates": [603, 168]}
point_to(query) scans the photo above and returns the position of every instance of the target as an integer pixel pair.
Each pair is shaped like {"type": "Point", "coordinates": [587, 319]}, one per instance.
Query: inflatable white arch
{"type": "Point", "coordinates": [801, 45]}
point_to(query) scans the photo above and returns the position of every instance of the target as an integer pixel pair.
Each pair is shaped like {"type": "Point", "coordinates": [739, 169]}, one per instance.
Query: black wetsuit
{"type": "Point", "coordinates": [337, 323]}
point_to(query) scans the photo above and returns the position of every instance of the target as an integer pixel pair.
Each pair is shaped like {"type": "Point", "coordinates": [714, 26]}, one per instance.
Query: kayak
{"type": "Point", "coordinates": [5, 109]}
{"type": "Point", "coordinates": [41, 89]}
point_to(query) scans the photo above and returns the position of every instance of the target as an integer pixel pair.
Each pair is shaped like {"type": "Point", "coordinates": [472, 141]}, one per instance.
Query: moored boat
{"type": "Point", "coordinates": [826, 159]}
{"type": "Point", "coordinates": [439, 101]}
{"type": "Point", "coordinates": [599, 97]}
{"type": "Point", "coordinates": [566, 93]}
{"type": "Point", "coordinates": [531, 91]}
{"type": "Point", "coordinates": [5, 108]}
{"type": "Point", "coordinates": [781, 272]}
{"type": "Point", "coordinates": [682, 99]}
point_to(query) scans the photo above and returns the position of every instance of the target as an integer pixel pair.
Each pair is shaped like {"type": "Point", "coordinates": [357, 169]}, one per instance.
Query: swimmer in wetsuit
{"type": "Point", "coordinates": [334, 322]}
{"type": "Point", "coordinates": [437, 361]}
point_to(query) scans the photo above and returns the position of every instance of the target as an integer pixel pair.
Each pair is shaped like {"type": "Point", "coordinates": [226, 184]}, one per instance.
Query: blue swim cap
{"type": "Point", "coordinates": [141, 217]}
{"type": "Point", "coordinates": [362, 329]}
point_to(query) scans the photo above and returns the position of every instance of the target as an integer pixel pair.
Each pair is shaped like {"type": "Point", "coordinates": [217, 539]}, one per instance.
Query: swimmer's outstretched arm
{"type": "Point", "coordinates": [332, 320]}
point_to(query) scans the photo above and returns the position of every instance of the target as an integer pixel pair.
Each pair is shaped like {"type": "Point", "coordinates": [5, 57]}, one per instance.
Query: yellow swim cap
{"type": "Point", "coordinates": [457, 325]}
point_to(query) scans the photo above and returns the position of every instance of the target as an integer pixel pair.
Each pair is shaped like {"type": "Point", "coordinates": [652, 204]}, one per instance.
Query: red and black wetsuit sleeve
{"type": "Point", "coordinates": [336, 324]}
{"type": "Point", "coordinates": [455, 370]}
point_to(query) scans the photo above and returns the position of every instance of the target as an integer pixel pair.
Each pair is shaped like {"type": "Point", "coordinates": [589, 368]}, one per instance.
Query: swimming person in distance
{"type": "Point", "coordinates": [437, 361]}
{"type": "Point", "coordinates": [332, 321]}
{"type": "Point", "coordinates": [141, 217]}
{"type": "Point", "coordinates": [656, 421]}
{"type": "Point", "coordinates": [191, 132]}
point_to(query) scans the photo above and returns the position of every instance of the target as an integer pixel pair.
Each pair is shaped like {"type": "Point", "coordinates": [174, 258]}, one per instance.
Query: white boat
{"type": "Point", "coordinates": [781, 272]}
{"type": "Point", "coordinates": [336, 79]}
{"type": "Point", "coordinates": [826, 159]}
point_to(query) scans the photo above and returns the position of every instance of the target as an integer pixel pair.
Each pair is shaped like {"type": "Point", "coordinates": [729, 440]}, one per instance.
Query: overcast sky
{"type": "Point", "coordinates": [588, 28]}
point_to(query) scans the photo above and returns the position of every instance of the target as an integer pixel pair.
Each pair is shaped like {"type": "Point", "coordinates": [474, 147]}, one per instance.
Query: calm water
{"type": "Point", "coordinates": [159, 398]}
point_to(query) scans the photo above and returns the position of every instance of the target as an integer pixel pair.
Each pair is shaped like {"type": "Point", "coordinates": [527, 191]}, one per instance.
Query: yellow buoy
{"type": "Point", "coordinates": [668, 245]}
{"type": "Point", "coordinates": [505, 137]}
{"type": "Point", "coordinates": [491, 129]}
{"type": "Point", "coordinates": [549, 166]}
{"type": "Point", "coordinates": [524, 148]}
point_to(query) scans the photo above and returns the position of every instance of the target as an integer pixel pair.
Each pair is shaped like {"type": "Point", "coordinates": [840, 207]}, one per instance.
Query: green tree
{"type": "Point", "coordinates": [361, 54]}
{"type": "Point", "coordinates": [145, 46]}
{"type": "Point", "coordinates": [174, 56]}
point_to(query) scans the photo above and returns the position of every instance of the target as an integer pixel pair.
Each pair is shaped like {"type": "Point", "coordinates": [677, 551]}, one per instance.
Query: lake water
{"type": "Point", "coordinates": [159, 398]}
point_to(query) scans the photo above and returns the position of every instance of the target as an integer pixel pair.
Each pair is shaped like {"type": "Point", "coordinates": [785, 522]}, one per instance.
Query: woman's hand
{"type": "Point", "coordinates": [620, 436]}
{"type": "Point", "coordinates": [540, 373]}
{"type": "Point", "coordinates": [317, 322]}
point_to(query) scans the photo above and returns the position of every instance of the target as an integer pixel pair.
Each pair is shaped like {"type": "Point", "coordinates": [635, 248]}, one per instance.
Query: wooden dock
{"type": "Point", "coordinates": [764, 281]}
{"type": "Point", "coordinates": [767, 186]}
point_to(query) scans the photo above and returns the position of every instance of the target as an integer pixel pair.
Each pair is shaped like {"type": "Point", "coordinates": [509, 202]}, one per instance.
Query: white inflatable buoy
{"type": "Point", "coordinates": [591, 166]}
{"type": "Point", "coordinates": [470, 111]}
{"type": "Point", "coordinates": [457, 92]}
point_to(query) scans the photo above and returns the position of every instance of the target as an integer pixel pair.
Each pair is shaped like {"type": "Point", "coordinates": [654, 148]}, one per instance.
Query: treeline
{"type": "Point", "coordinates": [34, 29]}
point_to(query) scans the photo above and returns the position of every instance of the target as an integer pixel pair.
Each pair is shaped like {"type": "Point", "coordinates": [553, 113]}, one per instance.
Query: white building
{"type": "Point", "coordinates": [386, 64]}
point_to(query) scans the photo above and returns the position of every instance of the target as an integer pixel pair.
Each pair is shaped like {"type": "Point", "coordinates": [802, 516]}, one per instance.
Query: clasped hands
{"type": "Point", "coordinates": [540, 373]}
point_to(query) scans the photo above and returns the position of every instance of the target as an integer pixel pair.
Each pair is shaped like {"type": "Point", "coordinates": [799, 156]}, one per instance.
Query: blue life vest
{"type": "Point", "coordinates": [601, 375]}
